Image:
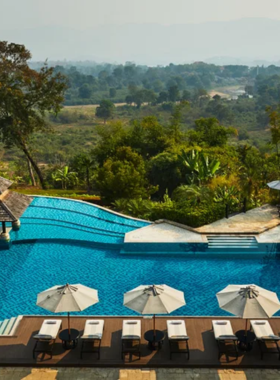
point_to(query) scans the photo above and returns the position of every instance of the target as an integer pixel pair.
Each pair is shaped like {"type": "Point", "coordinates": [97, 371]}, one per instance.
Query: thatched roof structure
{"type": "Point", "coordinates": [4, 184]}
{"type": "Point", "coordinates": [12, 204]}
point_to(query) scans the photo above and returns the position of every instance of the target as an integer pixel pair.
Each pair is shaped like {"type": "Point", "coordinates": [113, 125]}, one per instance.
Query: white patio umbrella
{"type": "Point", "coordinates": [248, 301]}
{"type": "Point", "coordinates": [274, 185]}
{"type": "Point", "coordinates": [67, 298]}
{"type": "Point", "coordinates": [154, 299]}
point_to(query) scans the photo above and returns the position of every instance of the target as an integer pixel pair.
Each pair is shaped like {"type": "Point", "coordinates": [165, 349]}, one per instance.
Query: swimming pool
{"type": "Point", "coordinates": [93, 258]}
{"type": "Point", "coordinates": [56, 218]}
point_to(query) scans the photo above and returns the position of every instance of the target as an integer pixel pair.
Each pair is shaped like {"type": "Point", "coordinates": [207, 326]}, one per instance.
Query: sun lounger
{"type": "Point", "coordinates": [131, 336]}
{"type": "Point", "coordinates": [46, 337]}
{"type": "Point", "coordinates": [266, 337]}
{"type": "Point", "coordinates": [177, 336]}
{"type": "Point", "coordinates": [225, 338]}
{"type": "Point", "coordinates": [92, 336]}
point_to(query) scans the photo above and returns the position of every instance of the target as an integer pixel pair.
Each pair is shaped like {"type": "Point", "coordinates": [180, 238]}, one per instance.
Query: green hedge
{"type": "Point", "coordinates": [199, 217]}
{"type": "Point", "coordinates": [79, 195]}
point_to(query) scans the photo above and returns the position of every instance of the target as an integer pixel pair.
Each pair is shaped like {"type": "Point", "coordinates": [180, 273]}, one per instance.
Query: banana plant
{"type": "Point", "coordinates": [65, 177]}
{"type": "Point", "coordinates": [199, 167]}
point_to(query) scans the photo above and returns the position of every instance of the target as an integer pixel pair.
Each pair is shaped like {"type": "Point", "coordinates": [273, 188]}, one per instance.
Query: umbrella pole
{"type": "Point", "coordinates": [245, 334]}
{"type": "Point", "coordinates": [154, 326]}
{"type": "Point", "coordinates": [69, 326]}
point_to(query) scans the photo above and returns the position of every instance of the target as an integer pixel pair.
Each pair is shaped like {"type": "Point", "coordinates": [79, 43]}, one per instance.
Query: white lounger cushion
{"type": "Point", "coordinates": [177, 329]}
{"type": "Point", "coordinates": [223, 330]}
{"type": "Point", "coordinates": [49, 329]}
{"type": "Point", "coordinates": [93, 329]}
{"type": "Point", "coordinates": [263, 330]}
{"type": "Point", "coordinates": [131, 329]}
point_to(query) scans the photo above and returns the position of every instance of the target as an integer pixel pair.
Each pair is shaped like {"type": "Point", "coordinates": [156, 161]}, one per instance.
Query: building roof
{"type": "Point", "coordinates": [12, 204]}
{"type": "Point", "coordinates": [4, 184]}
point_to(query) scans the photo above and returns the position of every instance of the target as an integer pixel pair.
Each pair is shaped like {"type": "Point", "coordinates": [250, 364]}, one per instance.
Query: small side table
{"type": "Point", "coordinates": [154, 341]}
{"type": "Point", "coordinates": [69, 341]}
{"type": "Point", "coordinates": [245, 341]}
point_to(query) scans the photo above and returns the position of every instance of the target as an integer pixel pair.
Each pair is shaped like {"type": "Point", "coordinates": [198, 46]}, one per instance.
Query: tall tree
{"type": "Point", "coordinates": [274, 121]}
{"type": "Point", "coordinates": [173, 93]}
{"type": "Point", "coordinates": [105, 110]}
{"type": "Point", "coordinates": [175, 123]}
{"type": "Point", "coordinates": [83, 164]}
{"type": "Point", "coordinates": [210, 132]}
{"type": "Point", "coordinates": [25, 97]}
{"type": "Point", "coordinates": [85, 91]}
{"type": "Point", "coordinates": [123, 176]}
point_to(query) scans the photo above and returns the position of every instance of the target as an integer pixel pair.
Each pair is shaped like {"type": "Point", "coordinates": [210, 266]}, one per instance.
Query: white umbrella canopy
{"type": "Point", "coordinates": [248, 301]}
{"type": "Point", "coordinates": [274, 185]}
{"type": "Point", "coordinates": [154, 299]}
{"type": "Point", "coordinates": [67, 298]}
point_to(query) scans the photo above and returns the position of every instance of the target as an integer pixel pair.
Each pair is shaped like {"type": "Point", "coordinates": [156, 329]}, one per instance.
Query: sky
{"type": "Point", "coordinates": [82, 14]}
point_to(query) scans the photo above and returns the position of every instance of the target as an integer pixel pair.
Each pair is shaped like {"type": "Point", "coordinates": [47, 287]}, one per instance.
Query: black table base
{"type": "Point", "coordinates": [246, 340]}
{"type": "Point", "coordinates": [69, 341]}
{"type": "Point", "coordinates": [154, 339]}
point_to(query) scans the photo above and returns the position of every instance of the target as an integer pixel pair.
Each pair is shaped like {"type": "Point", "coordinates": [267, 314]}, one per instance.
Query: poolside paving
{"type": "Point", "coordinates": [17, 350]}
{"type": "Point", "coordinates": [262, 222]}
{"type": "Point", "coordinates": [163, 232]}
{"type": "Point", "coordinates": [255, 221]}
{"type": "Point", "coordinates": [21, 373]}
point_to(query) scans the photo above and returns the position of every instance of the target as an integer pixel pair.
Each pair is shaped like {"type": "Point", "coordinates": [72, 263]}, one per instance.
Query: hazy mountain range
{"type": "Point", "coordinates": [246, 41]}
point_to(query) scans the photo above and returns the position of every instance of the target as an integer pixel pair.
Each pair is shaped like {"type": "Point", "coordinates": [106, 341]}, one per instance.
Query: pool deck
{"type": "Point", "coordinates": [262, 222]}
{"type": "Point", "coordinates": [17, 350]}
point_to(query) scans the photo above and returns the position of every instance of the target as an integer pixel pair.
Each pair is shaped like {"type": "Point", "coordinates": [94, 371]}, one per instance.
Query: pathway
{"type": "Point", "coordinates": [21, 373]}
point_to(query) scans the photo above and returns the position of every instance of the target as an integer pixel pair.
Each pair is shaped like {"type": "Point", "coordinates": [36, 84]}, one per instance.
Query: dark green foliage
{"type": "Point", "coordinates": [25, 97]}
{"type": "Point", "coordinates": [110, 139]}
{"type": "Point", "coordinates": [147, 137]}
{"type": "Point", "coordinates": [164, 170]}
{"type": "Point", "coordinates": [112, 92]}
{"type": "Point", "coordinates": [185, 214]}
{"type": "Point", "coordinates": [173, 93]}
{"type": "Point", "coordinates": [85, 91]}
{"type": "Point", "coordinates": [210, 132]}
{"type": "Point", "coordinates": [105, 110]}
{"type": "Point", "coordinates": [123, 176]}
{"type": "Point", "coordinates": [161, 158]}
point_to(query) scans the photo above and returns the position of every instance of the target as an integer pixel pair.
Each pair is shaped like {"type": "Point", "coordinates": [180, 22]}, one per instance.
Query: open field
{"type": "Point", "coordinates": [91, 106]}
{"type": "Point", "coordinates": [227, 91]}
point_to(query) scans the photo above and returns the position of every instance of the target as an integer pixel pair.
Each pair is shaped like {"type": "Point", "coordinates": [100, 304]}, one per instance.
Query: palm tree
{"type": "Point", "coordinates": [196, 194]}
{"type": "Point", "coordinates": [250, 184]}
{"type": "Point", "coordinates": [227, 195]}
{"type": "Point", "coordinates": [87, 164]}
{"type": "Point", "coordinates": [65, 177]}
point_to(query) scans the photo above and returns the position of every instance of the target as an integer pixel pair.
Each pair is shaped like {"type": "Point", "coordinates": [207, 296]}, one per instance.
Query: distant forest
{"type": "Point", "coordinates": [89, 83]}
{"type": "Point", "coordinates": [188, 143]}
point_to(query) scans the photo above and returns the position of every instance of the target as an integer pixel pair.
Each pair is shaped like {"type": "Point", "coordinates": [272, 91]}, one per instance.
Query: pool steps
{"type": "Point", "coordinates": [232, 242]}
{"type": "Point", "coordinates": [8, 326]}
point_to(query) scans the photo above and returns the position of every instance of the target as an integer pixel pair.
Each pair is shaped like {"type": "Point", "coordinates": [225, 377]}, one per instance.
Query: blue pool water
{"type": "Point", "coordinates": [93, 258]}
{"type": "Point", "coordinates": [50, 218]}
